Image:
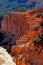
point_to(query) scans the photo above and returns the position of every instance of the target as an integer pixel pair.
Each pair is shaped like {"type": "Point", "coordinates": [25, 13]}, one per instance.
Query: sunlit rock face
{"type": "Point", "coordinates": [18, 23]}
{"type": "Point", "coordinates": [18, 27]}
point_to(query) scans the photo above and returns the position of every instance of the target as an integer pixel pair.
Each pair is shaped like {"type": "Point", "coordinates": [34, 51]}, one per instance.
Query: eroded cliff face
{"type": "Point", "coordinates": [19, 23]}
{"type": "Point", "coordinates": [26, 27]}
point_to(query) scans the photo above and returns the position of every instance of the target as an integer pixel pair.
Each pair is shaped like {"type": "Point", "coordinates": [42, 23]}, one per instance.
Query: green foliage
{"type": "Point", "coordinates": [38, 40]}
{"type": "Point", "coordinates": [40, 15]}
{"type": "Point", "coordinates": [41, 23]}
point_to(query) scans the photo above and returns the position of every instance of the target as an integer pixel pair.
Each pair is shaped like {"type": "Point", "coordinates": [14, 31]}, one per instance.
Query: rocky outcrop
{"type": "Point", "coordinates": [18, 23]}
{"type": "Point", "coordinates": [25, 27]}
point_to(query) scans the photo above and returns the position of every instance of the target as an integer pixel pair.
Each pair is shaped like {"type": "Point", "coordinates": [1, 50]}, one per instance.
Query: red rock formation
{"type": "Point", "coordinates": [18, 23]}
{"type": "Point", "coordinates": [27, 26]}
